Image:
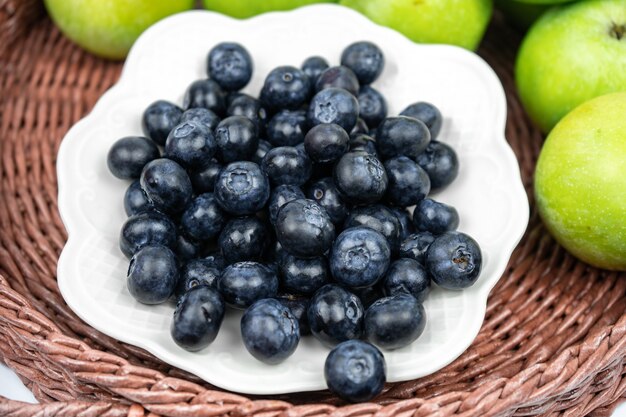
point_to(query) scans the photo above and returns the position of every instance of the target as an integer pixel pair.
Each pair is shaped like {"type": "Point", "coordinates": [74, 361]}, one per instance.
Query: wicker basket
{"type": "Point", "coordinates": [553, 341]}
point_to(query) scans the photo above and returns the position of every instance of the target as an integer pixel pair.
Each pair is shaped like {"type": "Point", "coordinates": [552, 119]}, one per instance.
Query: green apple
{"type": "Point", "coordinates": [247, 8]}
{"type": "Point", "coordinates": [580, 182]}
{"type": "Point", "coordinates": [570, 55]}
{"type": "Point", "coordinates": [108, 28]}
{"type": "Point", "coordinates": [456, 22]}
{"type": "Point", "coordinates": [520, 14]}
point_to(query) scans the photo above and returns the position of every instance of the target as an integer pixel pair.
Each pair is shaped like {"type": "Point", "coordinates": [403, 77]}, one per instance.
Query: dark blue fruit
{"type": "Point", "coordinates": [363, 142]}
{"type": "Point", "coordinates": [406, 222]}
{"type": "Point", "coordinates": [287, 128]}
{"type": "Point", "coordinates": [203, 218]}
{"type": "Point", "coordinates": [247, 106]}
{"type": "Point", "coordinates": [191, 144]}
{"type": "Point", "coordinates": [359, 257]}
{"type": "Point", "coordinates": [203, 179]}
{"type": "Point", "coordinates": [313, 66]}
{"type": "Point", "coordinates": [206, 94]}
{"type": "Point", "coordinates": [243, 239]}
{"type": "Point", "coordinates": [365, 59]}
{"type": "Point", "coordinates": [435, 217]}
{"type": "Point", "coordinates": [304, 229]}
{"type": "Point", "coordinates": [326, 143]}
{"type": "Point", "coordinates": [454, 260]}
{"type": "Point", "coordinates": [394, 322]}
{"type": "Point", "coordinates": [326, 194]}
{"type": "Point", "coordinates": [280, 196]}
{"type": "Point", "coordinates": [416, 245]}
{"type": "Point", "coordinates": [360, 127]}
{"type": "Point", "coordinates": [230, 65]}
{"type": "Point", "coordinates": [135, 200]}
{"type": "Point", "coordinates": [397, 136]}
{"type": "Point", "coordinates": [355, 371]}
{"type": "Point", "coordinates": [440, 163]}
{"type": "Point", "coordinates": [242, 283]}
{"type": "Point", "coordinates": [197, 318]}
{"type": "Point", "coordinates": [242, 188]}
{"type": "Point", "coordinates": [166, 185]}
{"type": "Point", "coordinates": [379, 218]}
{"type": "Point", "coordinates": [152, 274]}
{"type": "Point", "coordinates": [236, 138]}
{"type": "Point", "coordinates": [303, 276]}
{"type": "Point", "coordinates": [368, 295]}
{"type": "Point", "coordinates": [216, 260]}
{"type": "Point", "coordinates": [285, 88]}
{"type": "Point", "coordinates": [159, 118]}
{"type": "Point", "coordinates": [338, 77]}
{"type": "Point", "coordinates": [261, 151]}
{"type": "Point", "coordinates": [201, 115]}
{"type": "Point", "coordinates": [334, 105]}
{"type": "Point", "coordinates": [407, 276]}
{"type": "Point", "coordinates": [408, 183]}
{"type": "Point", "coordinates": [196, 272]}
{"type": "Point", "coordinates": [298, 306]}
{"type": "Point", "coordinates": [270, 331]}
{"type": "Point", "coordinates": [186, 248]}
{"type": "Point", "coordinates": [147, 228]}
{"type": "Point", "coordinates": [372, 106]}
{"type": "Point", "coordinates": [287, 165]}
{"type": "Point", "coordinates": [360, 178]}
{"type": "Point", "coordinates": [129, 155]}
{"type": "Point", "coordinates": [427, 113]}
{"type": "Point", "coordinates": [335, 315]}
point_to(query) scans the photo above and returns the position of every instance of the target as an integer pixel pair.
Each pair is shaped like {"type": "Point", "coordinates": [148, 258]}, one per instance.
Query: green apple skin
{"type": "Point", "coordinates": [242, 9]}
{"type": "Point", "coordinates": [571, 55]}
{"type": "Point", "coordinates": [580, 182]}
{"type": "Point", "coordinates": [520, 14]}
{"type": "Point", "coordinates": [455, 22]}
{"type": "Point", "coordinates": [108, 28]}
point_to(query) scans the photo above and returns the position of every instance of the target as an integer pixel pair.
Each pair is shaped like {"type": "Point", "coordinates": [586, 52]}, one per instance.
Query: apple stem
{"type": "Point", "coordinates": [617, 31]}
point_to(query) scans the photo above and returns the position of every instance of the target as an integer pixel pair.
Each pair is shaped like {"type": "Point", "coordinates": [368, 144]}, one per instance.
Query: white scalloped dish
{"type": "Point", "coordinates": [488, 193]}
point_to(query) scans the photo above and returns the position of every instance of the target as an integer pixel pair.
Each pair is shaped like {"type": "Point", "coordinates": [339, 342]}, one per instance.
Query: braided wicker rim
{"type": "Point", "coordinates": [553, 341]}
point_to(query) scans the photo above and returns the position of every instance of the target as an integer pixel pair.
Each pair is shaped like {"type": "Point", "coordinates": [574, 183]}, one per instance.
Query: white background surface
{"type": "Point", "coordinates": [11, 387]}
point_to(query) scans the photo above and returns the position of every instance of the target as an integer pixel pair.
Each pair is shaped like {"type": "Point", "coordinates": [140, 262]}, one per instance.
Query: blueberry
{"type": "Point", "coordinates": [285, 88]}
{"type": "Point", "coordinates": [408, 182]}
{"type": "Point", "coordinates": [335, 315]}
{"type": "Point", "coordinates": [237, 139]}
{"type": "Point", "coordinates": [276, 254]}
{"type": "Point", "coordinates": [372, 106]}
{"type": "Point", "coordinates": [216, 260]}
{"type": "Point", "coordinates": [206, 94]}
{"type": "Point", "coordinates": [304, 228]}
{"type": "Point", "coordinates": [427, 113]}
{"type": "Point", "coordinates": [407, 276]}
{"type": "Point", "coordinates": [454, 260]}
{"type": "Point", "coordinates": [363, 142]}
{"type": "Point", "coordinates": [191, 144]}
{"type": "Point", "coordinates": [270, 331]}
{"type": "Point", "coordinates": [242, 188]}
{"type": "Point", "coordinates": [148, 228]}
{"type": "Point", "coordinates": [368, 295]}
{"type": "Point", "coordinates": [230, 65]}
{"type": "Point", "coordinates": [280, 196]}
{"type": "Point", "coordinates": [196, 272]}
{"type": "Point", "coordinates": [359, 257]}
{"type": "Point", "coordinates": [360, 178]}
{"type": "Point", "coordinates": [152, 274]}
{"type": "Point", "coordinates": [303, 276]}
{"type": "Point", "coordinates": [203, 179]}
{"type": "Point", "coordinates": [250, 107]}
{"type": "Point", "coordinates": [287, 165]}
{"type": "Point", "coordinates": [365, 59]}
{"type": "Point", "coordinates": [394, 322]}
{"type": "Point", "coordinates": [203, 218]}
{"type": "Point", "coordinates": [313, 66]}
{"type": "Point", "coordinates": [287, 128]}
{"type": "Point", "coordinates": [166, 185]}
{"type": "Point", "coordinates": [355, 371]}
{"type": "Point", "coordinates": [135, 200]}
{"type": "Point", "coordinates": [197, 318]}
{"type": "Point", "coordinates": [435, 217]}
{"type": "Point", "coordinates": [129, 155]}
{"type": "Point", "coordinates": [440, 163]}
{"type": "Point", "coordinates": [360, 127]}
{"type": "Point", "coordinates": [325, 193]}
{"type": "Point", "coordinates": [298, 307]}
{"type": "Point", "coordinates": [416, 245]}
{"type": "Point", "coordinates": [243, 239]}
{"type": "Point", "coordinates": [397, 136]}
{"type": "Point", "coordinates": [186, 248]}
{"type": "Point", "coordinates": [406, 222]}
{"type": "Point", "coordinates": [326, 142]}
{"type": "Point", "coordinates": [242, 283]}
{"type": "Point", "coordinates": [159, 118]}
{"type": "Point", "coordinates": [201, 115]}
{"type": "Point", "coordinates": [261, 151]}
{"type": "Point", "coordinates": [338, 77]}
{"type": "Point", "coordinates": [379, 218]}
{"type": "Point", "coordinates": [334, 105]}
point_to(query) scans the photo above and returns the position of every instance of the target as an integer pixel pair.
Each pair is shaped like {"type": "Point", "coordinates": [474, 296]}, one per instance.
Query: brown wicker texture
{"type": "Point", "coordinates": [553, 342]}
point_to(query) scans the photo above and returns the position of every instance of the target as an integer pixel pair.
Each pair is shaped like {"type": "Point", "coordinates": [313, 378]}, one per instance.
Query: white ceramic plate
{"type": "Point", "coordinates": [170, 55]}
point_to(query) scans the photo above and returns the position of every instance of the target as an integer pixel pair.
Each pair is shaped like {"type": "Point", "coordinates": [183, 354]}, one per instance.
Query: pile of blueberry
{"type": "Point", "coordinates": [308, 230]}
